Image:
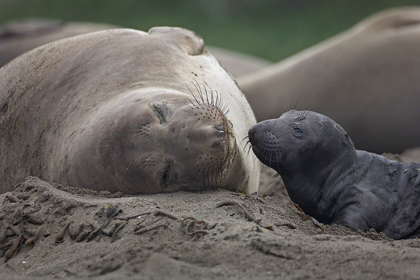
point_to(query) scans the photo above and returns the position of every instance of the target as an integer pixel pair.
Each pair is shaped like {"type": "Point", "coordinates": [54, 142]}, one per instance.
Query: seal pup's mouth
{"type": "Point", "coordinates": [265, 144]}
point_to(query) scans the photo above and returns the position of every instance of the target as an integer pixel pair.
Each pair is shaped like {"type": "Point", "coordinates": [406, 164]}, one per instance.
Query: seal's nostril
{"type": "Point", "coordinates": [219, 127]}
{"type": "Point", "coordinates": [251, 135]}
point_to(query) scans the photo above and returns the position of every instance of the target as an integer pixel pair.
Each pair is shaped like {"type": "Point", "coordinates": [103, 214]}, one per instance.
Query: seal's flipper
{"type": "Point", "coordinates": [189, 41]}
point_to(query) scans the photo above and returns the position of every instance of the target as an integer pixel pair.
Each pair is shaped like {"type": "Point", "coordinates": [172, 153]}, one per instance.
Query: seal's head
{"type": "Point", "coordinates": [132, 112]}
{"type": "Point", "coordinates": [308, 150]}
{"type": "Point", "coordinates": [300, 142]}
{"type": "Point", "coordinates": [164, 141]}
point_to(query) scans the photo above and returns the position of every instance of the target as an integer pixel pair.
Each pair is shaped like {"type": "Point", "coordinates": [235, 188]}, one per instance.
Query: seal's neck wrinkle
{"type": "Point", "coordinates": [336, 181]}
{"type": "Point", "coordinates": [325, 171]}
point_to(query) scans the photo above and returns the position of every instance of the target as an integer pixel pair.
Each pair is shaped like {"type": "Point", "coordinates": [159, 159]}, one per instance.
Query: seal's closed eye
{"type": "Point", "coordinates": [162, 111]}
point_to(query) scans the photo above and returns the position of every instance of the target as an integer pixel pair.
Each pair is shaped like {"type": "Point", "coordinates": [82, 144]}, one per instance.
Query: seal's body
{"type": "Point", "coordinates": [366, 79]}
{"type": "Point", "coordinates": [124, 110]}
{"type": "Point", "coordinates": [335, 183]}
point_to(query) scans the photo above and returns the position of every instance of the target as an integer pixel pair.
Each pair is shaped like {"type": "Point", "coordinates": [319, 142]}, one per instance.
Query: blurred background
{"type": "Point", "coordinates": [270, 29]}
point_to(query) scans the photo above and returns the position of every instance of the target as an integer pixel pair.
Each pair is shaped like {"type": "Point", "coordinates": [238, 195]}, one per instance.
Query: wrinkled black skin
{"type": "Point", "coordinates": [335, 183]}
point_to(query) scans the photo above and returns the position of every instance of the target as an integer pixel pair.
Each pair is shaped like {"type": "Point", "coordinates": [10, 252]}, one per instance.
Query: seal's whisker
{"type": "Point", "coordinates": [210, 178]}
{"type": "Point", "coordinates": [277, 160]}
{"type": "Point", "coordinates": [246, 144]}
{"type": "Point", "coordinates": [195, 106]}
{"type": "Point", "coordinates": [196, 100]}
{"type": "Point", "coordinates": [193, 178]}
{"type": "Point", "coordinates": [207, 96]}
{"type": "Point", "coordinates": [196, 85]}
{"type": "Point", "coordinates": [201, 93]}
{"type": "Point", "coordinates": [250, 147]}
{"type": "Point", "coordinates": [303, 113]}
{"type": "Point", "coordinates": [294, 105]}
{"type": "Point", "coordinates": [286, 105]}
{"type": "Point", "coordinates": [222, 106]}
{"type": "Point", "coordinates": [213, 172]}
{"type": "Point", "coordinates": [271, 153]}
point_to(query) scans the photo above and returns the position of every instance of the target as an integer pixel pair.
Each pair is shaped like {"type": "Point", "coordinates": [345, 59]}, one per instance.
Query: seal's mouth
{"type": "Point", "coordinates": [265, 145]}
{"type": "Point", "coordinates": [210, 111]}
{"type": "Point", "coordinates": [215, 164]}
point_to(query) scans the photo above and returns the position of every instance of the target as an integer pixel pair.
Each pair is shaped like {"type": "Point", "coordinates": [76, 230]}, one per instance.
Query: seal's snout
{"type": "Point", "coordinates": [256, 131]}
{"type": "Point", "coordinates": [251, 135]}
{"type": "Point", "coordinates": [266, 143]}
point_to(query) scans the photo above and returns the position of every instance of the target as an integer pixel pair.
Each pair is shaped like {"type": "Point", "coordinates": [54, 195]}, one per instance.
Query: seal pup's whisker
{"type": "Point", "coordinates": [277, 160]}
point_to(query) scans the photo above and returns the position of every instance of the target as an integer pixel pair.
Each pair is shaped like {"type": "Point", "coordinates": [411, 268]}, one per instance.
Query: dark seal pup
{"type": "Point", "coordinates": [335, 183]}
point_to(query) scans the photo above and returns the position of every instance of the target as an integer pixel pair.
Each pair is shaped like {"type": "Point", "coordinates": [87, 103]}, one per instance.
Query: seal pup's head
{"type": "Point", "coordinates": [305, 148]}
{"type": "Point", "coordinates": [301, 141]}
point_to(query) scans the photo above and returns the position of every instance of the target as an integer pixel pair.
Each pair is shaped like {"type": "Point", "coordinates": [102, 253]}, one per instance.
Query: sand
{"type": "Point", "coordinates": [186, 236]}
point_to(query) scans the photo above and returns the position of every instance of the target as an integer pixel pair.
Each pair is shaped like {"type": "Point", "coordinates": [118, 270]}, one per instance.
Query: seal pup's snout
{"type": "Point", "coordinates": [251, 135]}
{"type": "Point", "coordinates": [256, 130]}
{"type": "Point", "coordinates": [265, 143]}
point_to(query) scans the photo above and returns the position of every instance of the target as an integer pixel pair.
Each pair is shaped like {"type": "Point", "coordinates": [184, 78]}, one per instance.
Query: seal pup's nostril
{"type": "Point", "coordinates": [251, 135]}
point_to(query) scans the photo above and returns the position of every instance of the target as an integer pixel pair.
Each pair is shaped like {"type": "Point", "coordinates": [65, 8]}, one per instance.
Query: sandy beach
{"type": "Point", "coordinates": [51, 231]}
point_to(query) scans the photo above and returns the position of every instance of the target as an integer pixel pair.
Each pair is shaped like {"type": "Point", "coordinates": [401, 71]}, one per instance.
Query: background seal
{"type": "Point", "coordinates": [366, 79]}
{"type": "Point", "coordinates": [18, 37]}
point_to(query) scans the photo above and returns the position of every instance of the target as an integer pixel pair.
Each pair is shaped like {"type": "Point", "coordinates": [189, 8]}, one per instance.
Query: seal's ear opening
{"type": "Point", "coordinates": [188, 40]}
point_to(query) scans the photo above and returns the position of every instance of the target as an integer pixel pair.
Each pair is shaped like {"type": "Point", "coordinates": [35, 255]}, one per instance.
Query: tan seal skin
{"type": "Point", "coordinates": [114, 110]}
{"type": "Point", "coordinates": [366, 79]}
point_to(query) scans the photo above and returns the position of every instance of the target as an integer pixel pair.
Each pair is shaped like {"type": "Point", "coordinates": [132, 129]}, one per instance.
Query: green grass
{"type": "Point", "coordinates": [272, 29]}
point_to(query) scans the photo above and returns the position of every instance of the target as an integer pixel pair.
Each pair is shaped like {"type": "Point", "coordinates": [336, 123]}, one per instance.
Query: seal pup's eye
{"type": "Point", "coordinates": [298, 132]}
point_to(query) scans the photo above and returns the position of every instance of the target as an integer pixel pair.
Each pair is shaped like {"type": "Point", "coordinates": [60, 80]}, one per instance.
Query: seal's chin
{"type": "Point", "coordinates": [216, 148]}
{"type": "Point", "coordinates": [269, 157]}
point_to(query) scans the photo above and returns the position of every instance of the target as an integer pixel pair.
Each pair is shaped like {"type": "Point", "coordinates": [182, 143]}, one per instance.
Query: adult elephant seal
{"type": "Point", "coordinates": [335, 183]}
{"type": "Point", "coordinates": [124, 110]}
{"type": "Point", "coordinates": [366, 79]}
